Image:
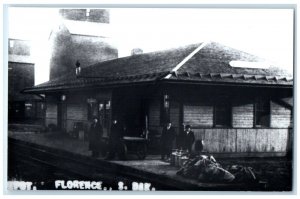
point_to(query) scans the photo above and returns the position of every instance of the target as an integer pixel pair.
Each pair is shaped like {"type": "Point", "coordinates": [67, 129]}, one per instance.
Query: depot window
{"type": "Point", "coordinates": [222, 113]}
{"type": "Point", "coordinates": [262, 112]}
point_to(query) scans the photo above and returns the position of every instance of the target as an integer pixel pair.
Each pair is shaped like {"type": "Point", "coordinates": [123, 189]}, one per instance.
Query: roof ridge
{"type": "Point", "coordinates": [187, 58]}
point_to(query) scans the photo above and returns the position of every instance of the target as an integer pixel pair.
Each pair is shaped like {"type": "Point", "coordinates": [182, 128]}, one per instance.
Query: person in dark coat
{"type": "Point", "coordinates": [167, 138]}
{"type": "Point", "coordinates": [188, 139]}
{"type": "Point", "coordinates": [95, 135]}
{"type": "Point", "coordinates": [115, 142]}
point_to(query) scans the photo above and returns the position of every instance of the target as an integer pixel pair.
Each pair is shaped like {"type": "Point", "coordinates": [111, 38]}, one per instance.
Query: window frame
{"type": "Point", "coordinates": [256, 101]}
{"type": "Point", "coordinates": [229, 105]}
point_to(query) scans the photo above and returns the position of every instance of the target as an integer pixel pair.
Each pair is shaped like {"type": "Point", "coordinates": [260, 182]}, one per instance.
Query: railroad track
{"type": "Point", "coordinates": [81, 167]}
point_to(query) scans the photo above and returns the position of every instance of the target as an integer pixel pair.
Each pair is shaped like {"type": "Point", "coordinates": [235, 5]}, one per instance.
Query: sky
{"type": "Point", "coordinates": [267, 33]}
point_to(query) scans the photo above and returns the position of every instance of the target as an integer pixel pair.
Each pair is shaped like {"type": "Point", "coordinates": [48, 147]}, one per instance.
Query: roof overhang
{"type": "Point", "coordinates": [73, 89]}
{"type": "Point", "coordinates": [44, 90]}
{"type": "Point", "coordinates": [222, 83]}
{"type": "Point", "coordinates": [235, 84]}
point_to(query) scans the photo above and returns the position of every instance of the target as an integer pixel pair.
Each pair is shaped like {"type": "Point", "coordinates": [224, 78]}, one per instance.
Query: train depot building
{"type": "Point", "coordinates": [237, 109]}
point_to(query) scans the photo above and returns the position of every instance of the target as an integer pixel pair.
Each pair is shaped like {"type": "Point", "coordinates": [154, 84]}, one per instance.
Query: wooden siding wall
{"type": "Point", "coordinates": [51, 113]}
{"type": "Point", "coordinates": [242, 115]}
{"type": "Point", "coordinates": [154, 115]}
{"type": "Point", "coordinates": [197, 115]}
{"type": "Point", "coordinates": [76, 108]}
{"type": "Point", "coordinates": [281, 117]}
{"type": "Point", "coordinates": [244, 140]}
{"type": "Point", "coordinates": [76, 112]}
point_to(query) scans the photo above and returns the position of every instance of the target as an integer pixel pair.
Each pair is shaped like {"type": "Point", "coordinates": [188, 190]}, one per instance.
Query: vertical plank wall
{"type": "Point", "coordinates": [243, 140]}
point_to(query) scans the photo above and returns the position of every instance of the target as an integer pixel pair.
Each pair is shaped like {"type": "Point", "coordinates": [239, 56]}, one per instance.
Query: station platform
{"type": "Point", "coordinates": [151, 167]}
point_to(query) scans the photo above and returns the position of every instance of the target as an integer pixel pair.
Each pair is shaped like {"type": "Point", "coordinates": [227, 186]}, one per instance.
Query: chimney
{"type": "Point", "coordinates": [136, 51]}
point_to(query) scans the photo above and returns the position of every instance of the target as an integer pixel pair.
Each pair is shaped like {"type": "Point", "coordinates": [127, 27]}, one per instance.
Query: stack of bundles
{"type": "Point", "coordinates": [205, 169]}
{"type": "Point", "coordinates": [178, 157]}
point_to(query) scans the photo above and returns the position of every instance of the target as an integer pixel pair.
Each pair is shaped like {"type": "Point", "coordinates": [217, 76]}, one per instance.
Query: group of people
{"type": "Point", "coordinates": [184, 140]}
{"type": "Point", "coordinates": [115, 143]}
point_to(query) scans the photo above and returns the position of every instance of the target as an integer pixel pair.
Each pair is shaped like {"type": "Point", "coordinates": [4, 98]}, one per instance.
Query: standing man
{"type": "Point", "coordinates": [189, 138]}
{"type": "Point", "coordinates": [115, 142]}
{"type": "Point", "coordinates": [167, 138]}
{"type": "Point", "coordinates": [95, 135]}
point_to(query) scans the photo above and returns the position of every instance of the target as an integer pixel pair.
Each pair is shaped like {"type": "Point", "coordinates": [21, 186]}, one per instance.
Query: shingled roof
{"type": "Point", "coordinates": [209, 63]}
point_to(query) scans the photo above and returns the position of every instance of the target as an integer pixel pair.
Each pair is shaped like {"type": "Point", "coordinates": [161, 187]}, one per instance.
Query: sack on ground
{"type": "Point", "coordinates": [243, 174]}
{"type": "Point", "coordinates": [205, 169]}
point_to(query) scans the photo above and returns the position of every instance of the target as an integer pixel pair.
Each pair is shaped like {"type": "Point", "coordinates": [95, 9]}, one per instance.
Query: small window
{"type": "Point", "coordinates": [222, 114]}
{"type": "Point", "coordinates": [262, 113]}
